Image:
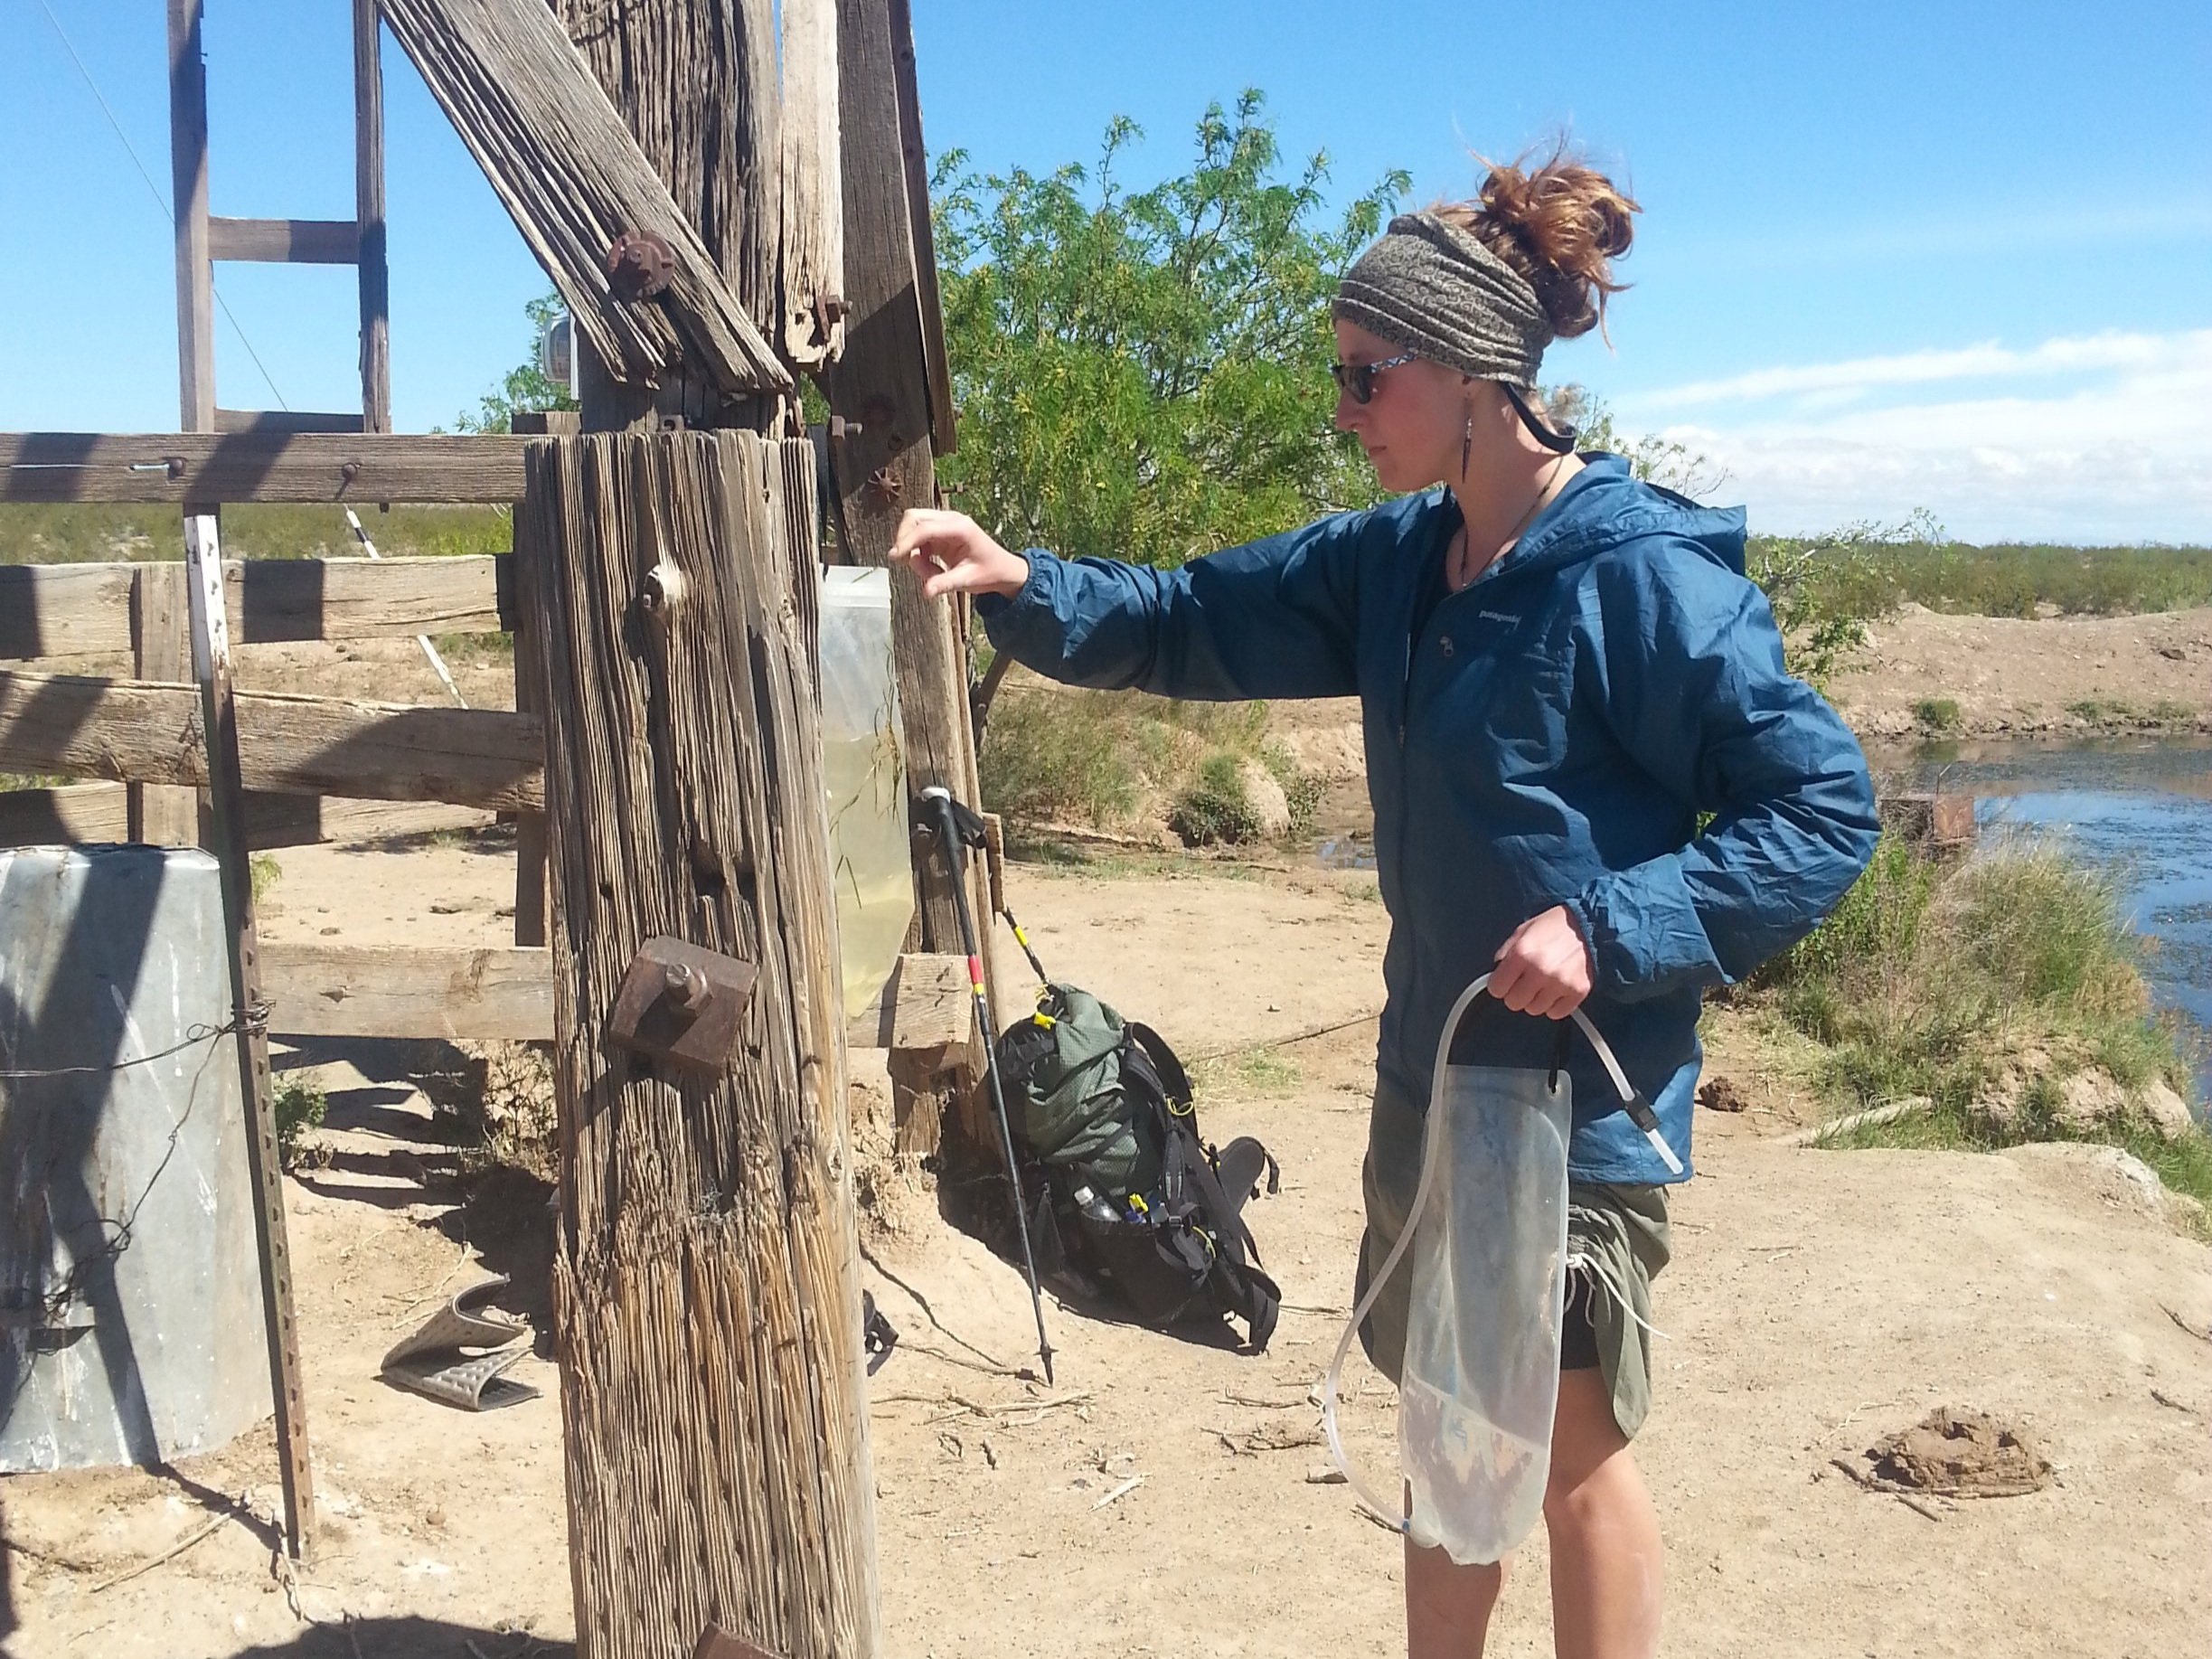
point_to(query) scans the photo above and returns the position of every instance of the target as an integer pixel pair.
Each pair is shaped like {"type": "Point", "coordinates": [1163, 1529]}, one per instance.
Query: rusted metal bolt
{"type": "Point", "coordinates": [687, 986]}
{"type": "Point", "coordinates": [841, 429]}
{"type": "Point", "coordinates": [664, 590]}
{"type": "Point", "coordinates": [349, 470]}
{"type": "Point", "coordinates": [175, 464]}
{"type": "Point", "coordinates": [639, 265]}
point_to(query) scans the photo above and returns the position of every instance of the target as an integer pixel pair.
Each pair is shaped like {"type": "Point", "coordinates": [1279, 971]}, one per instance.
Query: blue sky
{"type": "Point", "coordinates": [1945, 255]}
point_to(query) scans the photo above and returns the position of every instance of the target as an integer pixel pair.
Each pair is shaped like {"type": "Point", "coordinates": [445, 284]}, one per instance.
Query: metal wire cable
{"type": "Point", "coordinates": [118, 1229]}
{"type": "Point", "coordinates": [255, 1019]}
{"type": "Point", "coordinates": [160, 201]}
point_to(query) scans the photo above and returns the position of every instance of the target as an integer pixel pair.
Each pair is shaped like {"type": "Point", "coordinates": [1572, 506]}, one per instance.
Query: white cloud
{"type": "Point", "coordinates": [1987, 360]}
{"type": "Point", "coordinates": [2105, 437]}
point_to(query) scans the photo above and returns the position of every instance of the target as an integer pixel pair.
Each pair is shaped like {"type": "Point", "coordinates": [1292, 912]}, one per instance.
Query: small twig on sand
{"type": "Point", "coordinates": [984, 1409]}
{"type": "Point", "coordinates": [1387, 1525]}
{"type": "Point", "coordinates": [1813, 1135]}
{"type": "Point", "coordinates": [2164, 1398]}
{"type": "Point", "coordinates": [959, 1405]}
{"type": "Point", "coordinates": [1917, 1507]}
{"type": "Point", "coordinates": [2202, 1336]}
{"type": "Point", "coordinates": [1855, 1412]}
{"type": "Point", "coordinates": [1857, 1476]}
{"type": "Point", "coordinates": [1231, 1397]}
{"type": "Point", "coordinates": [67, 1563]}
{"type": "Point", "coordinates": [170, 1554]}
{"type": "Point", "coordinates": [1015, 1373]}
{"type": "Point", "coordinates": [1122, 1491]}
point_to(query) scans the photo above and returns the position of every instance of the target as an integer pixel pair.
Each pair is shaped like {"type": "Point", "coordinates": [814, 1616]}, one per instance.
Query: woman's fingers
{"type": "Point", "coordinates": [952, 554]}
{"type": "Point", "coordinates": [934, 530]}
{"type": "Point", "coordinates": [1544, 969]}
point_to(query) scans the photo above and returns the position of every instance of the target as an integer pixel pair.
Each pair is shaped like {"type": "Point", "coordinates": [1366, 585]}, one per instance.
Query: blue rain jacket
{"type": "Point", "coordinates": [1550, 736]}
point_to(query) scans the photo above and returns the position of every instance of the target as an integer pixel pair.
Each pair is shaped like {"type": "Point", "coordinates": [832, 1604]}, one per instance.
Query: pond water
{"type": "Point", "coordinates": [2141, 808]}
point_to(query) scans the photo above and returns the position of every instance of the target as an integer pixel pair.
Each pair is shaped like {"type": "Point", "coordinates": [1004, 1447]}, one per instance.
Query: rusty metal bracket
{"type": "Point", "coordinates": [681, 1005]}
{"type": "Point", "coordinates": [639, 265]}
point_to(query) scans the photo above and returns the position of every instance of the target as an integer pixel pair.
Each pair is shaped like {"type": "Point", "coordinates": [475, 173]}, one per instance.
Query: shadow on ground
{"type": "Point", "coordinates": [410, 1638]}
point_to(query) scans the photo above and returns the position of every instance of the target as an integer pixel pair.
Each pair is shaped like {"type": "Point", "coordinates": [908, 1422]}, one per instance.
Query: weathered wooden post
{"type": "Point", "coordinates": [706, 1290]}
{"type": "Point", "coordinates": [706, 1284]}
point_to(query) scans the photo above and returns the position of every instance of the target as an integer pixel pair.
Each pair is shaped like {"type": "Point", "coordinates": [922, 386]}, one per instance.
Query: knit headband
{"type": "Point", "coordinates": [1434, 290]}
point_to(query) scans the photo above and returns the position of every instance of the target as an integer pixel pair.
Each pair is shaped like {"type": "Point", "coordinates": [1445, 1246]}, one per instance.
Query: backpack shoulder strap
{"type": "Point", "coordinates": [1249, 1290]}
{"type": "Point", "coordinates": [1174, 1082]}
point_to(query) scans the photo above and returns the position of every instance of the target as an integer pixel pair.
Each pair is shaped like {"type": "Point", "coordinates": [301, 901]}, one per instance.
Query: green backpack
{"type": "Point", "coordinates": [1132, 1195]}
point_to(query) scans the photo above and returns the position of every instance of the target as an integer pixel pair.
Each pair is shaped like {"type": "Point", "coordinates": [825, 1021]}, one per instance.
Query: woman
{"type": "Point", "coordinates": [1561, 669]}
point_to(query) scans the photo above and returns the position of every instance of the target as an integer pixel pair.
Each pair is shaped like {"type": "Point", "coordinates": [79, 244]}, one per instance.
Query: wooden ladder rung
{"type": "Point", "coordinates": [285, 241]}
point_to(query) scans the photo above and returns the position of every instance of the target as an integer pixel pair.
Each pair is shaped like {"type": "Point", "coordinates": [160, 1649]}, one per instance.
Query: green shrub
{"type": "Point", "coordinates": [1107, 758]}
{"type": "Point", "coordinates": [1216, 808]}
{"type": "Point", "coordinates": [1056, 757]}
{"type": "Point", "coordinates": [300, 1106]}
{"type": "Point", "coordinates": [1937, 714]}
{"type": "Point", "coordinates": [1302, 790]}
{"type": "Point", "coordinates": [2045, 929]}
{"type": "Point", "coordinates": [1983, 987]}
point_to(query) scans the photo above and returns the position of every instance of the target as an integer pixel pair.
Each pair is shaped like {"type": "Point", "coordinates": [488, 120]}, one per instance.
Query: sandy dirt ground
{"type": "Point", "coordinates": [1820, 1299]}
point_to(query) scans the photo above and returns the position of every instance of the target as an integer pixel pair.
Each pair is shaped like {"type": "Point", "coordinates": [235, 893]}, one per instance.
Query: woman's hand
{"type": "Point", "coordinates": [1544, 968]}
{"type": "Point", "coordinates": [951, 554]}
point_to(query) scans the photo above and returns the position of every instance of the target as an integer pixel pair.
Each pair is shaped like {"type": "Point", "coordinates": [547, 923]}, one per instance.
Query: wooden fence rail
{"type": "Point", "coordinates": [80, 814]}
{"type": "Point", "coordinates": [61, 611]}
{"type": "Point", "coordinates": [461, 992]}
{"type": "Point", "coordinates": [213, 469]}
{"type": "Point", "coordinates": [140, 731]}
{"type": "Point", "coordinates": [489, 993]}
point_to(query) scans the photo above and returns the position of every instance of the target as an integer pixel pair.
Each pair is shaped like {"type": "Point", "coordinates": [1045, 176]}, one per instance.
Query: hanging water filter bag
{"type": "Point", "coordinates": [1487, 1237]}
{"type": "Point", "coordinates": [863, 775]}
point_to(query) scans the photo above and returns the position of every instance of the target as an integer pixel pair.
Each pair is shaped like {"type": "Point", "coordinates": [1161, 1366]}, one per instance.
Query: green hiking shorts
{"type": "Point", "coordinates": [1623, 1229]}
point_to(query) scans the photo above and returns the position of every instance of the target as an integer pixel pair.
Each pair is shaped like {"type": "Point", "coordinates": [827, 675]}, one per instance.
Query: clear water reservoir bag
{"type": "Point", "coordinates": [863, 771]}
{"type": "Point", "coordinates": [1487, 1235]}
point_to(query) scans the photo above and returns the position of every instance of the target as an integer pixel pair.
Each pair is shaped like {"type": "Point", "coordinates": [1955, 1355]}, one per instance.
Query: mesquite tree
{"type": "Point", "coordinates": [1145, 375]}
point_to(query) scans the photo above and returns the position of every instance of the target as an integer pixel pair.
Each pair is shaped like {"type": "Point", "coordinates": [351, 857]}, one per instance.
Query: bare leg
{"type": "Point", "coordinates": [1447, 1605]}
{"type": "Point", "coordinates": [1606, 1559]}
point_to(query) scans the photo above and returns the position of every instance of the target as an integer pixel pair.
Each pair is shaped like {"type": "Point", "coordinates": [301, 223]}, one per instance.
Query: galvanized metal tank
{"type": "Point", "coordinates": [131, 1298]}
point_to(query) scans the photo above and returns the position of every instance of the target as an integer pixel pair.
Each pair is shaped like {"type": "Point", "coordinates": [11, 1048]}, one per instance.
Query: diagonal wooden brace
{"type": "Point", "coordinates": [573, 178]}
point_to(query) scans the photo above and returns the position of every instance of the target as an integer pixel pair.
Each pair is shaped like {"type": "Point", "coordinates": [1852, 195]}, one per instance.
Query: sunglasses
{"type": "Point", "coordinates": [1357, 379]}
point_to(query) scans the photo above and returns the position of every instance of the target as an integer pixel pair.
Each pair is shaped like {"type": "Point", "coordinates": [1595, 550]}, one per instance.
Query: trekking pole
{"type": "Point", "coordinates": [955, 827]}
{"type": "Point", "coordinates": [1028, 949]}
